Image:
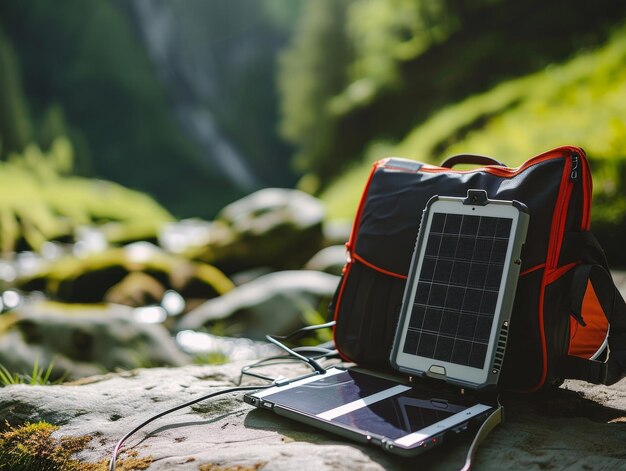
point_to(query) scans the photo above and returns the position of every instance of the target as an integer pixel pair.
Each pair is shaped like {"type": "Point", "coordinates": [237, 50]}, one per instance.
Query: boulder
{"type": "Point", "coordinates": [82, 340]}
{"type": "Point", "coordinates": [137, 274]}
{"type": "Point", "coordinates": [274, 227]}
{"type": "Point", "coordinates": [576, 427]}
{"type": "Point", "coordinates": [276, 303]}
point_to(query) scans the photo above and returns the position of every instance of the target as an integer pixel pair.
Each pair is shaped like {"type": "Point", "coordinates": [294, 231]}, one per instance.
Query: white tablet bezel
{"type": "Point", "coordinates": [409, 441]}
{"type": "Point", "coordinates": [423, 365]}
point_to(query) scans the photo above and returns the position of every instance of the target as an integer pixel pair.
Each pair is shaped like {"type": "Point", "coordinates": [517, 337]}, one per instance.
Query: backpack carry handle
{"type": "Point", "coordinates": [471, 159]}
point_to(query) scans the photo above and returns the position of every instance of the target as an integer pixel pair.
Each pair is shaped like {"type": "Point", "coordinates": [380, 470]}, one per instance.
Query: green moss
{"type": "Point", "coordinates": [31, 447]}
{"type": "Point", "coordinates": [92, 278]}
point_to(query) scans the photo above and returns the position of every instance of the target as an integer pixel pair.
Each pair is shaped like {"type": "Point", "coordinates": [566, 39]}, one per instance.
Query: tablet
{"type": "Point", "coordinates": [457, 304]}
{"type": "Point", "coordinates": [405, 420]}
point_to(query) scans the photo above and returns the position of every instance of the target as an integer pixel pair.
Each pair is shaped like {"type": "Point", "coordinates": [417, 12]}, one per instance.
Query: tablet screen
{"type": "Point", "coordinates": [370, 404]}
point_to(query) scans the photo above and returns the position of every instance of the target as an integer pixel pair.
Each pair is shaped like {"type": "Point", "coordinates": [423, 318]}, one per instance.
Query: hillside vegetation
{"type": "Point", "coordinates": [39, 202]}
{"type": "Point", "coordinates": [381, 67]}
{"type": "Point", "coordinates": [580, 102]}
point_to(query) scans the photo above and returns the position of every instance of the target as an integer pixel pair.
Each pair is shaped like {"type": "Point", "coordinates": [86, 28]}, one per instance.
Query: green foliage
{"type": "Point", "coordinates": [84, 74]}
{"type": "Point", "coordinates": [581, 102]}
{"type": "Point", "coordinates": [15, 126]}
{"type": "Point", "coordinates": [38, 203]}
{"type": "Point", "coordinates": [385, 33]}
{"type": "Point", "coordinates": [39, 375]}
{"type": "Point", "coordinates": [409, 58]}
{"type": "Point", "coordinates": [312, 70]}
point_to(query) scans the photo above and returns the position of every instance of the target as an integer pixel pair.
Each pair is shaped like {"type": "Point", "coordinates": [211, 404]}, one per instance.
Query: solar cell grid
{"type": "Point", "coordinates": [457, 288]}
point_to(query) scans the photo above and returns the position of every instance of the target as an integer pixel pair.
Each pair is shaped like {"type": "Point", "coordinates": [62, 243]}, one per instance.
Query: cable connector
{"type": "Point", "coordinates": [280, 381]}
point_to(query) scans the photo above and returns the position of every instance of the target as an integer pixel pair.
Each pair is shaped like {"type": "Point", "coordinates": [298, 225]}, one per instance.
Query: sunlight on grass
{"type": "Point", "coordinates": [39, 375]}
{"type": "Point", "coordinates": [581, 102]}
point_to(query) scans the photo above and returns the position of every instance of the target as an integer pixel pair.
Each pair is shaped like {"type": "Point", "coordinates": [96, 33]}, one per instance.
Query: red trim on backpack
{"type": "Point", "coordinates": [587, 192]}
{"type": "Point", "coordinates": [532, 269]}
{"type": "Point", "coordinates": [504, 172]}
{"type": "Point", "coordinates": [350, 246]}
{"type": "Point", "coordinates": [357, 220]}
{"type": "Point", "coordinates": [378, 269]}
{"type": "Point", "coordinates": [346, 272]}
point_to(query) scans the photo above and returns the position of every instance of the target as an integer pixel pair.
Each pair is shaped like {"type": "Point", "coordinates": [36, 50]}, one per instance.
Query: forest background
{"type": "Point", "coordinates": [198, 103]}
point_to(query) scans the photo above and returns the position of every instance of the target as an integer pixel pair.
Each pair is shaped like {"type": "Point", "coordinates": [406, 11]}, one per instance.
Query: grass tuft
{"type": "Point", "coordinates": [39, 375]}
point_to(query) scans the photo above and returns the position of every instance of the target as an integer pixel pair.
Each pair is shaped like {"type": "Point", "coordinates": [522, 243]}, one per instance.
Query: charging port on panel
{"type": "Point", "coordinates": [460, 428]}
{"type": "Point", "coordinates": [267, 405]}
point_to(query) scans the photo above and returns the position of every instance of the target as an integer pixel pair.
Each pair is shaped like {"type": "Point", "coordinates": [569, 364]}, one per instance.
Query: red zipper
{"type": "Point", "coordinates": [587, 192]}
{"type": "Point", "coordinates": [572, 172]}
{"type": "Point", "coordinates": [560, 215]}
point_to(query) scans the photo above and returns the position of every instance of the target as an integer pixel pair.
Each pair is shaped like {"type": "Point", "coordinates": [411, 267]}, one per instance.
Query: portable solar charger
{"type": "Point", "coordinates": [457, 304]}
{"type": "Point", "coordinates": [453, 326]}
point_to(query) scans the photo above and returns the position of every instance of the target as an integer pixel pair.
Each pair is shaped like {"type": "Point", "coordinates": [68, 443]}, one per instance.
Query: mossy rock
{"type": "Point", "coordinates": [36, 447]}
{"type": "Point", "coordinates": [136, 275]}
{"type": "Point", "coordinates": [274, 227]}
{"type": "Point", "coordinates": [32, 447]}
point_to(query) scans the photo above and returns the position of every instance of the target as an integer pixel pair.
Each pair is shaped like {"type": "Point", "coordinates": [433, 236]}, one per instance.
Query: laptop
{"type": "Point", "coordinates": [449, 344]}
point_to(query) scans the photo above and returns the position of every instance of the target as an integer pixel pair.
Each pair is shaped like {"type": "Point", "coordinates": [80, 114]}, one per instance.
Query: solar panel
{"type": "Point", "coordinates": [460, 288]}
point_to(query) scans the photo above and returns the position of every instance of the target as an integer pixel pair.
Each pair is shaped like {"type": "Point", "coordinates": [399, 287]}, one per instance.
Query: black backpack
{"type": "Point", "coordinates": [565, 300]}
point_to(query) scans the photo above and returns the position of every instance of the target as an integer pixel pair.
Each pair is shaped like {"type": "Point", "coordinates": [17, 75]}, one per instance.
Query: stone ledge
{"type": "Point", "coordinates": [579, 425]}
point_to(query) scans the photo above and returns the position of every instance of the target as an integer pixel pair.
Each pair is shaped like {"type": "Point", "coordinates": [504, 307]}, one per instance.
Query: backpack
{"type": "Point", "coordinates": [568, 319]}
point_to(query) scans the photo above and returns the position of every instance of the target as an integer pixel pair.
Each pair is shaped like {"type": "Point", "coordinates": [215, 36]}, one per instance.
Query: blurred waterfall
{"type": "Point", "coordinates": [176, 41]}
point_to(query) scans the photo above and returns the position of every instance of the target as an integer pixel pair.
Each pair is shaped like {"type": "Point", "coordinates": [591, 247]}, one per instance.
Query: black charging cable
{"type": "Point", "coordinates": [323, 353]}
{"type": "Point", "coordinates": [293, 355]}
{"type": "Point", "coordinates": [296, 334]}
{"type": "Point", "coordinates": [112, 463]}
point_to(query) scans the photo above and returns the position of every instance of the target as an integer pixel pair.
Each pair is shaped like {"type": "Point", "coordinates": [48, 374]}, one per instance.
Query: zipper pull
{"type": "Point", "coordinates": [574, 173]}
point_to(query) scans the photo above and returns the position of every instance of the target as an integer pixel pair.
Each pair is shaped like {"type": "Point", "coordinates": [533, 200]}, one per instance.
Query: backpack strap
{"type": "Point", "coordinates": [596, 276]}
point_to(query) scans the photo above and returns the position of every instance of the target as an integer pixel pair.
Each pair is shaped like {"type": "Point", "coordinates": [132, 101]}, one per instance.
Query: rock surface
{"type": "Point", "coordinates": [273, 227]}
{"type": "Point", "coordinates": [137, 274]}
{"type": "Point", "coordinates": [576, 427]}
{"type": "Point", "coordinates": [81, 340]}
{"type": "Point", "coordinates": [276, 303]}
